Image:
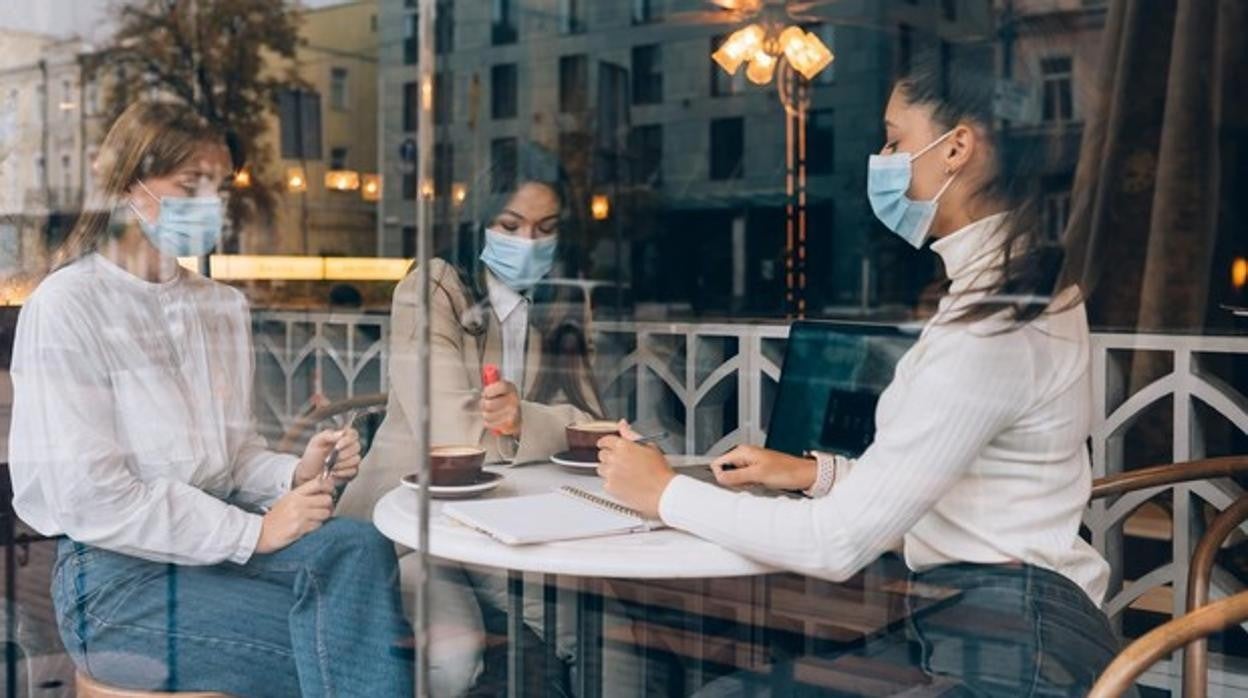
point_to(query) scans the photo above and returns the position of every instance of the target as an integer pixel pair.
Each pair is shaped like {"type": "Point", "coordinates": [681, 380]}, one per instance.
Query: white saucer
{"type": "Point", "coordinates": [566, 459]}
{"type": "Point", "coordinates": [485, 483]}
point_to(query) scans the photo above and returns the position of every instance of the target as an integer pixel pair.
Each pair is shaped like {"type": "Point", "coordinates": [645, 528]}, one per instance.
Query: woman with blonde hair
{"type": "Point", "coordinates": [194, 558]}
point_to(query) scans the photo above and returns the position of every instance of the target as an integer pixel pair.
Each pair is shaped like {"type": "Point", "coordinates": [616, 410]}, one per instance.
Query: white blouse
{"type": "Point", "coordinates": [512, 310]}
{"type": "Point", "coordinates": [980, 454]}
{"type": "Point", "coordinates": [132, 421]}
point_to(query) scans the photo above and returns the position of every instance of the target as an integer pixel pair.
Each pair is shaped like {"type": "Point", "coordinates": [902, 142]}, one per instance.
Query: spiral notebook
{"type": "Point", "coordinates": [568, 513]}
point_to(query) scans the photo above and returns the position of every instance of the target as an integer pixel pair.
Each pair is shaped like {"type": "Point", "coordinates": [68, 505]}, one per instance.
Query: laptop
{"type": "Point", "coordinates": [830, 382]}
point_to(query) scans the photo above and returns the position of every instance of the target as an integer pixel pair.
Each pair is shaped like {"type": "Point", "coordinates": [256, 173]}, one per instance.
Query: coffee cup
{"type": "Point", "coordinates": [456, 464]}
{"type": "Point", "coordinates": [583, 438]}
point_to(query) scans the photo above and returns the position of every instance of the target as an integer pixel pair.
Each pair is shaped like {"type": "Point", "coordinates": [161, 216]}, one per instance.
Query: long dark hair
{"type": "Point", "coordinates": [565, 368]}
{"type": "Point", "coordinates": [1023, 283]}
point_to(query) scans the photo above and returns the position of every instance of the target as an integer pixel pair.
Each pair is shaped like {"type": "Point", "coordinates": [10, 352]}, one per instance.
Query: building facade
{"type": "Point", "coordinates": [692, 161]}
{"type": "Point", "coordinates": [48, 122]}
{"type": "Point", "coordinates": [327, 126]}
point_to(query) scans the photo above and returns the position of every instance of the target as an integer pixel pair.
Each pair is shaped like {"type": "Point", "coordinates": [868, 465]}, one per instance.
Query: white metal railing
{"type": "Point", "coordinates": [711, 385]}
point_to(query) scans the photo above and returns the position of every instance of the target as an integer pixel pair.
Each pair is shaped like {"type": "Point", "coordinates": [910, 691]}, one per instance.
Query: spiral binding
{"type": "Point", "coordinates": [601, 502]}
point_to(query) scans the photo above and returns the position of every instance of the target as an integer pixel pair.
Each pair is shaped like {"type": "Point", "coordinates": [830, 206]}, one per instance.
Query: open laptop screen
{"type": "Point", "coordinates": [830, 382]}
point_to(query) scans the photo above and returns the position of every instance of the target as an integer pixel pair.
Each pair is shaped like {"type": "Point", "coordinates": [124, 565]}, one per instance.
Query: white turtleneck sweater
{"type": "Point", "coordinates": [979, 454]}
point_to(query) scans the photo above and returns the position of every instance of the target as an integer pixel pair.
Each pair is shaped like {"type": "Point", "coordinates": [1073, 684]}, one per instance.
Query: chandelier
{"type": "Point", "coordinates": [761, 48]}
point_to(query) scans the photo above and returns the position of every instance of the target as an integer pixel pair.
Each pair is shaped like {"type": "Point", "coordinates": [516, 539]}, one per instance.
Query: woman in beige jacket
{"type": "Point", "coordinates": [489, 309]}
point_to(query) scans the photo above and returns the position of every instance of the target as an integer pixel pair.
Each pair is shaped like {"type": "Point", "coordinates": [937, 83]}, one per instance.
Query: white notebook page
{"type": "Point", "coordinates": [542, 518]}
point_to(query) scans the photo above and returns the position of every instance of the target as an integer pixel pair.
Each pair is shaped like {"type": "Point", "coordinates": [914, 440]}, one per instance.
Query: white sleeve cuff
{"type": "Point", "coordinates": [248, 540]}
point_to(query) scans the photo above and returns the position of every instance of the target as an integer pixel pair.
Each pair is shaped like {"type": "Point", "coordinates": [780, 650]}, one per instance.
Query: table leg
{"type": "Point", "coordinates": [588, 640]}
{"type": "Point", "coordinates": [515, 634]}
{"type": "Point", "coordinates": [550, 626]}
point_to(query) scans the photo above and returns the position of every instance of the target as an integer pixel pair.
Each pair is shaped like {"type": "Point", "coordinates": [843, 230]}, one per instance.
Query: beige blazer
{"type": "Point", "coordinates": [456, 358]}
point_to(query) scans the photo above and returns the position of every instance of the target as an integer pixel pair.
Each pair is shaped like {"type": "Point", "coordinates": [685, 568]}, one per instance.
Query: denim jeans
{"type": "Point", "coordinates": [1012, 630]}
{"type": "Point", "coordinates": [321, 617]}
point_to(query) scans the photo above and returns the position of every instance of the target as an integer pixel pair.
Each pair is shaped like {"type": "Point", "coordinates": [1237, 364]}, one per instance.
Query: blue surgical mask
{"type": "Point", "coordinates": [186, 226]}
{"type": "Point", "coordinates": [888, 180]}
{"type": "Point", "coordinates": [518, 262]}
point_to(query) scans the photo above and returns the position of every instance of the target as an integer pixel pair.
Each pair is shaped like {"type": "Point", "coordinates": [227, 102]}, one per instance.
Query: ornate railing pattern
{"type": "Point", "coordinates": [711, 387]}
{"type": "Point", "coordinates": [305, 357]}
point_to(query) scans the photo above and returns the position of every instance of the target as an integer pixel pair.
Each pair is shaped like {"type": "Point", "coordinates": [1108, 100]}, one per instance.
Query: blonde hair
{"type": "Point", "coordinates": [147, 140]}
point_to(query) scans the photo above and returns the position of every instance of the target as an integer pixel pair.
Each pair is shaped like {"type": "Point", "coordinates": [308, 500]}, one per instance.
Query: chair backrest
{"type": "Point", "coordinates": [1161, 641]}
{"type": "Point", "coordinates": [1200, 569]}
{"type": "Point", "coordinates": [371, 409]}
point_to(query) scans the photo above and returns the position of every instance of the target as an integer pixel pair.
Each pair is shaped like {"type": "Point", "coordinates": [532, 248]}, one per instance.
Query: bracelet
{"type": "Point", "coordinates": [825, 475]}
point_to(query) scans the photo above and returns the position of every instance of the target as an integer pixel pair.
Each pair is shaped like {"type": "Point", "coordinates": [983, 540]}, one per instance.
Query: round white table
{"type": "Point", "coordinates": [661, 554]}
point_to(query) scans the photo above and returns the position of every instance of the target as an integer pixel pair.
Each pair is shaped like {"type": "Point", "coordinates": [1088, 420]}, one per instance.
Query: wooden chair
{"type": "Point", "coordinates": [87, 687]}
{"type": "Point", "coordinates": [1147, 650]}
{"type": "Point", "coordinates": [367, 404]}
{"type": "Point", "coordinates": [1174, 473]}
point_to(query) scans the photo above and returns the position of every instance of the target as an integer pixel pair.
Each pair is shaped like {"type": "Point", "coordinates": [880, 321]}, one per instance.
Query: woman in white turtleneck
{"type": "Point", "coordinates": [979, 467]}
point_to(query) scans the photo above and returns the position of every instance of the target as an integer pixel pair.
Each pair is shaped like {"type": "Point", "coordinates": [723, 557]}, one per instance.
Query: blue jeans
{"type": "Point", "coordinates": [1012, 630]}
{"type": "Point", "coordinates": [321, 617]}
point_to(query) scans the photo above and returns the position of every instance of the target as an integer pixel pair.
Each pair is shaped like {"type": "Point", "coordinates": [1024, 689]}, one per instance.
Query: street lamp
{"type": "Point", "coordinates": [762, 48]}
{"type": "Point", "coordinates": [296, 181]}
{"type": "Point", "coordinates": [600, 207]}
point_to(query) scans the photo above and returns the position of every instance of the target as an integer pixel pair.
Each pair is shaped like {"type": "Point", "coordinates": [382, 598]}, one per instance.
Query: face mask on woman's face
{"type": "Point", "coordinates": [186, 226]}
{"type": "Point", "coordinates": [888, 180]}
{"type": "Point", "coordinates": [518, 262]}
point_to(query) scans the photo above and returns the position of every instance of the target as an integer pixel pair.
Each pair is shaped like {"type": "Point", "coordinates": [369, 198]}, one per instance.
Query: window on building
{"type": "Point", "coordinates": [647, 74]}
{"type": "Point", "coordinates": [67, 93]}
{"type": "Point", "coordinates": [443, 168]}
{"type": "Point", "coordinates": [503, 26]}
{"type": "Point", "coordinates": [92, 107]}
{"type": "Point", "coordinates": [723, 84]}
{"type": "Point", "coordinates": [444, 28]}
{"type": "Point", "coordinates": [949, 10]}
{"type": "Point", "coordinates": [409, 186]}
{"type": "Point", "coordinates": [573, 83]}
{"type": "Point", "coordinates": [67, 179]}
{"type": "Point", "coordinates": [338, 158]}
{"type": "Point", "coordinates": [1056, 213]}
{"type": "Point", "coordinates": [576, 153]}
{"type": "Point", "coordinates": [338, 95]}
{"type": "Point", "coordinates": [372, 23]}
{"type": "Point", "coordinates": [645, 147]}
{"type": "Point", "coordinates": [411, 105]}
{"type": "Point", "coordinates": [1056, 74]}
{"type": "Point", "coordinates": [443, 97]}
{"type": "Point", "coordinates": [905, 48]}
{"type": "Point", "coordinates": [820, 142]}
{"type": "Point", "coordinates": [503, 91]}
{"type": "Point", "coordinates": [727, 148]}
{"type": "Point", "coordinates": [571, 16]}
{"type": "Point", "coordinates": [503, 155]}
{"type": "Point", "coordinates": [409, 239]}
{"type": "Point", "coordinates": [299, 114]}
{"type": "Point", "coordinates": [41, 97]}
{"type": "Point", "coordinates": [411, 39]}
{"type": "Point", "coordinates": [647, 11]}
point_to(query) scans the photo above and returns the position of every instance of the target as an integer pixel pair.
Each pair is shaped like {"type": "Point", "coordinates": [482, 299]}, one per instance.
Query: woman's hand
{"type": "Point", "coordinates": [500, 408]}
{"type": "Point", "coordinates": [751, 465]}
{"type": "Point", "coordinates": [634, 474]}
{"type": "Point", "coordinates": [298, 513]}
{"type": "Point", "coordinates": [312, 464]}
